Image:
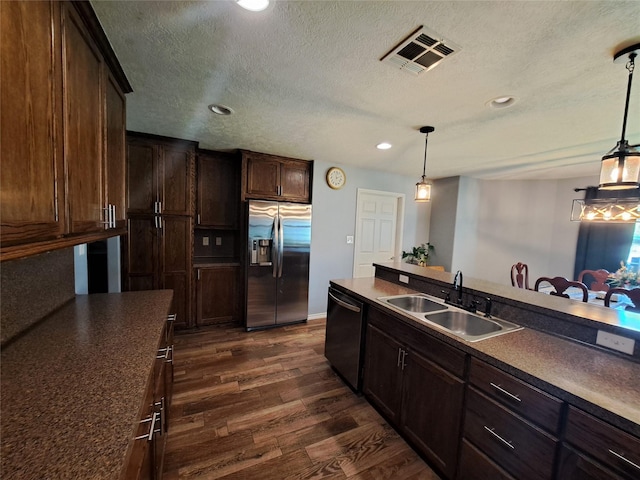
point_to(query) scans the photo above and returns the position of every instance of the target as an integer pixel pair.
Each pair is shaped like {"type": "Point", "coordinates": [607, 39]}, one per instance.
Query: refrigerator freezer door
{"type": "Point", "coordinates": [293, 271]}
{"type": "Point", "coordinates": [261, 279]}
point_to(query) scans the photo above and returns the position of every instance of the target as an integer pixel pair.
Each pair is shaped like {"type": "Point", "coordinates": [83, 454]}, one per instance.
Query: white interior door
{"type": "Point", "coordinates": [378, 230]}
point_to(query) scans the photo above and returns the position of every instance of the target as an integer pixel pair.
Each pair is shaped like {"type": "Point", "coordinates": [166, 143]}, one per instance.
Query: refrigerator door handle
{"type": "Point", "coordinates": [280, 246]}
{"type": "Point", "coordinates": [274, 247]}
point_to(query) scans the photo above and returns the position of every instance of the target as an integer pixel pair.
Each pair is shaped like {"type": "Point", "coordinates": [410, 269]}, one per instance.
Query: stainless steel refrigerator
{"type": "Point", "coordinates": [279, 241]}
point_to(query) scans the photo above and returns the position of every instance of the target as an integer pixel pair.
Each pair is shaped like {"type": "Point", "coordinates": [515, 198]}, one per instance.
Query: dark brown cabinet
{"type": "Point", "coordinates": [597, 450]}
{"type": "Point", "coordinates": [407, 378]}
{"type": "Point", "coordinates": [218, 192]}
{"type": "Point", "coordinates": [160, 200]}
{"type": "Point", "coordinates": [218, 295]}
{"type": "Point", "coordinates": [160, 175]}
{"type": "Point", "coordinates": [270, 177]}
{"type": "Point", "coordinates": [31, 184]}
{"type": "Point", "coordinates": [60, 180]}
{"type": "Point", "coordinates": [510, 426]}
{"type": "Point", "coordinates": [159, 256]}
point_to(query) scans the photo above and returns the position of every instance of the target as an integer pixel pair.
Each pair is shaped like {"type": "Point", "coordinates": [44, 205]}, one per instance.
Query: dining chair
{"type": "Point", "coordinates": [633, 294]}
{"type": "Point", "coordinates": [599, 278]}
{"type": "Point", "coordinates": [560, 284]}
{"type": "Point", "coordinates": [520, 275]}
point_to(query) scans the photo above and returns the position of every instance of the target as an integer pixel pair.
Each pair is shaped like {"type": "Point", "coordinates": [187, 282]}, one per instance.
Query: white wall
{"type": "Point", "coordinates": [334, 216]}
{"type": "Point", "coordinates": [500, 223]}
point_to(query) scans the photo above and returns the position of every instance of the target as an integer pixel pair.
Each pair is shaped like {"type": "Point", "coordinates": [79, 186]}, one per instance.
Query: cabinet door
{"type": "Point", "coordinates": [574, 466]}
{"type": "Point", "coordinates": [142, 267]}
{"type": "Point", "coordinates": [176, 174]}
{"type": "Point", "coordinates": [218, 190]}
{"type": "Point", "coordinates": [115, 150]}
{"type": "Point", "coordinates": [218, 295]}
{"type": "Point", "coordinates": [295, 180]}
{"type": "Point", "coordinates": [83, 125]}
{"type": "Point", "coordinates": [432, 411]}
{"type": "Point", "coordinates": [32, 180]}
{"type": "Point", "coordinates": [176, 248]}
{"type": "Point", "coordinates": [383, 372]}
{"type": "Point", "coordinates": [263, 177]}
{"type": "Point", "coordinates": [142, 177]}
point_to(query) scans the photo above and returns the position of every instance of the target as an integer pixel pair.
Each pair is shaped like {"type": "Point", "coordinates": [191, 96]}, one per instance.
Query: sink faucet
{"type": "Point", "coordinates": [457, 285]}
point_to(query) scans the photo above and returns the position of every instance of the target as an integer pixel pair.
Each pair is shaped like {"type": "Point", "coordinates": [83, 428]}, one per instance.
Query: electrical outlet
{"type": "Point", "coordinates": [404, 279]}
{"type": "Point", "coordinates": [205, 241]}
{"type": "Point", "coordinates": [218, 241]}
{"type": "Point", "coordinates": [615, 342]}
{"type": "Point", "coordinates": [349, 238]}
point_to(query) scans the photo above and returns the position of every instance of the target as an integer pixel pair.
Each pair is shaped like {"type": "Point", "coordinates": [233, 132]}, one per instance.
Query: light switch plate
{"type": "Point", "coordinates": [205, 241]}
{"type": "Point", "coordinates": [349, 238]}
{"type": "Point", "coordinates": [218, 241]}
{"type": "Point", "coordinates": [615, 342]}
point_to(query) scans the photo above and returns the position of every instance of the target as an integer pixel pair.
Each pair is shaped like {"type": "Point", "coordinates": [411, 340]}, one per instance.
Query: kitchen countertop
{"type": "Point", "coordinates": [600, 383]}
{"type": "Point", "coordinates": [73, 386]}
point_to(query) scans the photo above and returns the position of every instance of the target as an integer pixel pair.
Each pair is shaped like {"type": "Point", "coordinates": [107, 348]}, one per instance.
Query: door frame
{"type": "Point", "coordinates": [399, 221]}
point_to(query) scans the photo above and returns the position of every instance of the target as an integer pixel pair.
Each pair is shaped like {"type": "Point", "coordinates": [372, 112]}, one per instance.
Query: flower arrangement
{"type": "Point", "coordinates": [419, 255]}
{"type": "Point", "coordinates": [623, 277]}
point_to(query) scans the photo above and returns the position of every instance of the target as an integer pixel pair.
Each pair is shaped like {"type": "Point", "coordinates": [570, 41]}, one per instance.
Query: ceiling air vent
{"type": "Point", "coordinates": [420, 51]}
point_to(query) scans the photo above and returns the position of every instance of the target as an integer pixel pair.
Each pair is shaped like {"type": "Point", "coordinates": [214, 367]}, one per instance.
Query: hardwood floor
{"type": "Point", "coordinates": [266, 405]}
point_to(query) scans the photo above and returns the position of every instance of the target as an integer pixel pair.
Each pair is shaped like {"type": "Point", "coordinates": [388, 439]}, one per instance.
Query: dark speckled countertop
{"type": "Point", "coordinates": [600, 383]}
{"type": "Point", "coordinates": [72, 386]}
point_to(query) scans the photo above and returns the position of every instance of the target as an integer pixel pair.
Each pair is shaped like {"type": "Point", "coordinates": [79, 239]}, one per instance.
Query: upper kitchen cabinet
{"type": "Point", "coordinates": [160, 175]}
{"type": "Point", "coordinates": [63, 123]}
{"type": "Point", "coordinates": [218, 190]}
{"type": "Point", "coordinates": [269, 177]}
{"type": "Point", "coordinates": [32, 187]}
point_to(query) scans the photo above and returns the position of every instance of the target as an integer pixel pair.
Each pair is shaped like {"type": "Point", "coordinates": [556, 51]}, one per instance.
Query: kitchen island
{"type": "Point", "coordinates": [554, 358]}
{"type": "Point", "coordinates": [73, 386]}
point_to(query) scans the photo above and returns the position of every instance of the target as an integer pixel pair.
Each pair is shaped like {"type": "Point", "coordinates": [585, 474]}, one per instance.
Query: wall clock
{"type": "Point", "coordinates": [336, 178]}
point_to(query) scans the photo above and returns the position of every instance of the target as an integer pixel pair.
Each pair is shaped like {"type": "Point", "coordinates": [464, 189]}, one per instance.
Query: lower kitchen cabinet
{"type": "Point", "coordinates": [512, 423]}
{"type": "Point", "coordinates": [218, 295]}
{"type": "Point", "coordinates": [596, 450]}
{"type": "Point", "coordinates": [405, 379]}
{"type": "Point", "coordinates": [158, 256]}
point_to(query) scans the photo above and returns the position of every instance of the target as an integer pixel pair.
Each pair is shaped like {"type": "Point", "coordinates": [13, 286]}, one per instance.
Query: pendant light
{"type": "Point", "coordinates": [620, 168]}
{"type": "Point", "coordinates": [423, 188]}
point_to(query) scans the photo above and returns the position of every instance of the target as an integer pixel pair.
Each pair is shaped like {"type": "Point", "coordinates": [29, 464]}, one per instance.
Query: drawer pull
{"type": "Point", "coordinates": [508, 394]}
{"type": "Point", "coordinates": [506, 442]}
{"type": "Point", "coordinates": [399, 354]}
{"type": "Point", "coordinates": [152, 429]}
{"type": "Point", "coordinates": [621, 457]}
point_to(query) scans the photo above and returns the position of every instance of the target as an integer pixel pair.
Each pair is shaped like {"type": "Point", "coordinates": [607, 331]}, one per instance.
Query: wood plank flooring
{"type": "Point", "coordinates": [266, 405]}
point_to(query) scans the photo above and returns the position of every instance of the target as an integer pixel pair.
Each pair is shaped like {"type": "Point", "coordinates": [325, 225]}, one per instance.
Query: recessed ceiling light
{"type": "Point", "coordinates": [384, 146]}
{"type": "Point", "coordinates": [253, 5]}
{"type": "Point", "coordinates": [220, 109]}
{"type": "Point", "coordinates": [502, 102]}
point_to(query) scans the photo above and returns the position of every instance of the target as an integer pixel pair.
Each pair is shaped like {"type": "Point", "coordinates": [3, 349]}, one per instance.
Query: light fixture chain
{"type": "Point", "coordinates": [630, 67]}
{"type": "Point", "coordinates": [424, 164]}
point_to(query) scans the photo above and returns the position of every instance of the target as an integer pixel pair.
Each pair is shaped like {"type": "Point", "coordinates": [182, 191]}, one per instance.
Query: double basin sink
{"type": "Point", "coordinates": [467, 325]}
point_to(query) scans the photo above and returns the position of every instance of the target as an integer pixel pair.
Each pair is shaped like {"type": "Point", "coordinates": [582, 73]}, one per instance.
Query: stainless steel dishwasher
{"type": "Point", "coordinates": [344, 340]}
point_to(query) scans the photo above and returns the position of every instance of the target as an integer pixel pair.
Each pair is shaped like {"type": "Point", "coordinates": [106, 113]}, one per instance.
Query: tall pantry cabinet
{"type": "Point", "coordinates": [160, 211]}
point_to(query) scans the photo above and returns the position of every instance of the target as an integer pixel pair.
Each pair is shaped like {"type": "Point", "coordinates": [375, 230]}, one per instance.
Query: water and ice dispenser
{"type": "Point", "coordinates": [261, 251]}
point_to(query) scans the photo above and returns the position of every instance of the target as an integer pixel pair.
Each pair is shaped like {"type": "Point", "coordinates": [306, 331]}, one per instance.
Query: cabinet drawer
{"type": "Point", "coordinates": [475, 465]}
{"type": "Point", "coordinates": [522, 449]}
{"type": "Point", "coordinates": [522, 398]}
{"type": "Point", "coordinates": [574, 466]}
{"type": "Point", "coordinates": [448, 357]}
{"type": "Point", "coordinates": [604, 442]}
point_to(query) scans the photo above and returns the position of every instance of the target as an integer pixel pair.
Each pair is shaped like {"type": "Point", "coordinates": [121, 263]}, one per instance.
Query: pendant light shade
{"type": "Point", "coordinates": [620, 167]}
{"type": "Point", "coordinates": [423, 187]}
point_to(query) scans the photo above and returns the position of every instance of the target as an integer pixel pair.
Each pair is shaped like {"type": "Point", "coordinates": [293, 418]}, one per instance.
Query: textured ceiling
{"type": "Point", "coordinates": [305, 80]}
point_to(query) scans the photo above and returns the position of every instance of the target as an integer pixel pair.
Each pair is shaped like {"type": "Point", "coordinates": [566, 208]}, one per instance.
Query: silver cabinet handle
{"type": "Point", "coordinates": [622, 457]}
{"type": "Point", "coordinates": [169, 356]}
{"type": "Point", "coordinates": [198, 219]}
{"type": "Point", "coordinates": [113, 216]}
{"type": "Point", "coordinates": [506, 442]}
{"type": "Point", "coordinates": [152, 429]}
{"type": "Point", "coordinates": [162, 353]}
{"type": "Point", "coordinates": [171, 317]}
{"type": "Point", "coordinates": [508, 394]}
{"type": "Point", "coordinates": [155, 207]}
{"type": "Point", "coordinates": [404, 357]}
{"type": "Point", "coordinates": [399, 354]}
{"type": "Point", "coordinates": [160, 207]}
{"type": "Point", "coordinates": [107, 217]}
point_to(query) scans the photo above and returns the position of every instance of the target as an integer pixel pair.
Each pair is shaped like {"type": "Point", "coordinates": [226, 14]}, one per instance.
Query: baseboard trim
{"type": "Point", "coordinates": [317, 316]}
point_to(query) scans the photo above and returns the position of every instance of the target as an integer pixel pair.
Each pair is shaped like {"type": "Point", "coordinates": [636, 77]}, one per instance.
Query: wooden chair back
{"type": "Point", "coordinates": [633, 294]}
{"type": "Point", "coordinates": [599, 278]}
{"type": "Point", "coordinates": [560, 284]}
{"type": "Point", "coordinates": [520, 275]}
